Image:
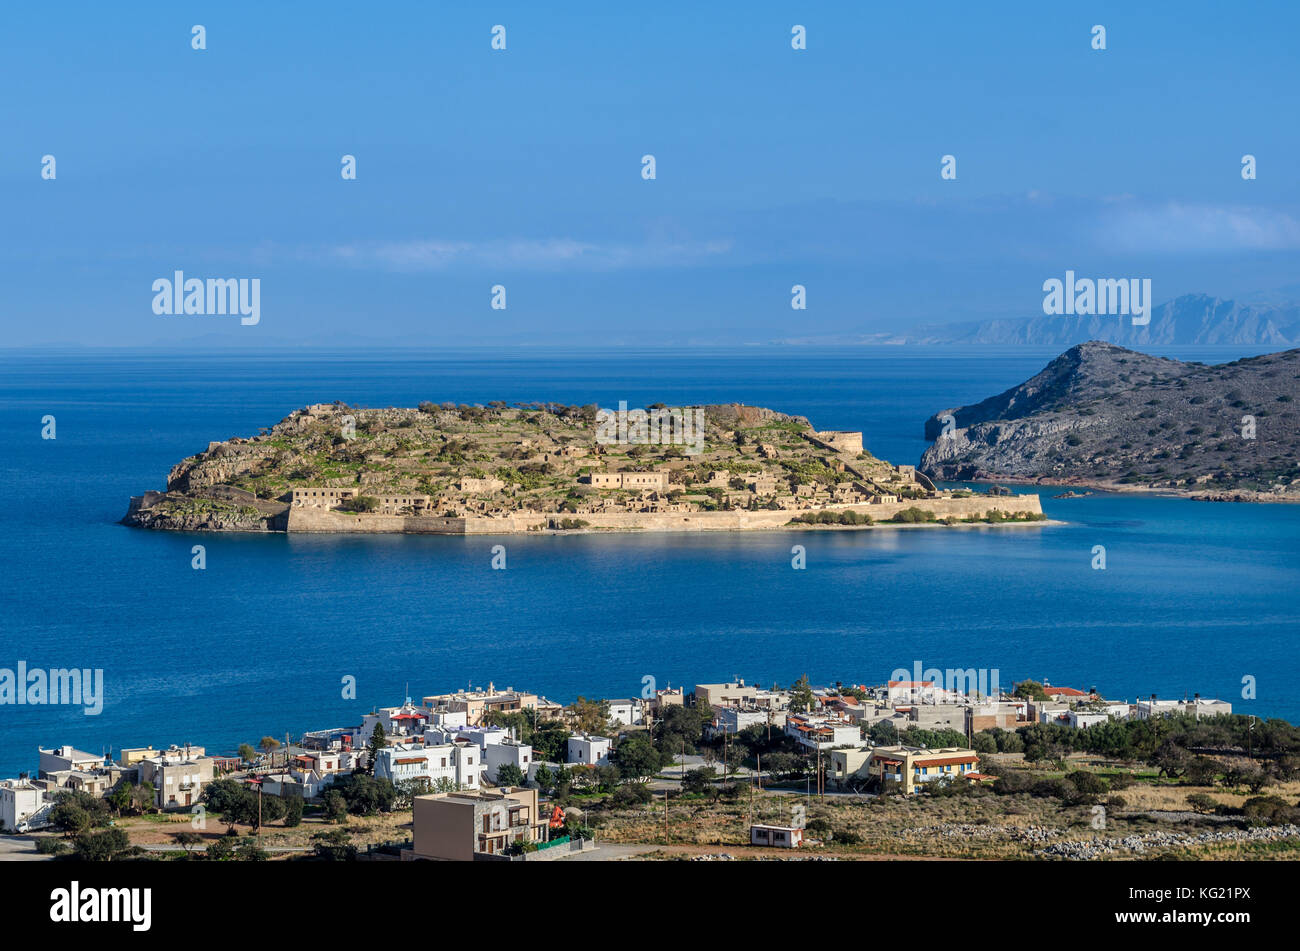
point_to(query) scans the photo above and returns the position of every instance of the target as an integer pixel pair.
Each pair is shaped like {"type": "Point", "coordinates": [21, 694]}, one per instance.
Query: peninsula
{"type": "Point", "coordinates": [498, 469]}
{"type": "Point", "coordinates": [1100, 415]}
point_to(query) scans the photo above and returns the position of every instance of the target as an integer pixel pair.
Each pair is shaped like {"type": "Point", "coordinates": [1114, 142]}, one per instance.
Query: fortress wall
{"type": "Point", "coordinates": [319, 520]}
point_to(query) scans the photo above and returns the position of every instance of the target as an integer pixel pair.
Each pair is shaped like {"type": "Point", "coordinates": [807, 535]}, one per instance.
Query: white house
{"type": "Point", "coordinates": [1082, 719]}
{"type": "Point", "coordinates": [23, 807]}
{"type": "Point", "coordinates": [480, 736]}
{"type": "Point", "coordinates": [512, 753]}
{"type": "Point", "coordinates": [626, 712]}
{"type": "Point", "coordinates": [822, 733]}
{"type": "Point", "coordinates": [735, 719]}
{"type": "Point", "coordinates": [65, 758]}
{"type": "Point", "coordinates": [1199, 707]}
{"type": "Point", "coordinates": [407, 720]}
{"type": "Point", "coordinates": [457, 763]}
{"type": "Point", "coordinates": [585, 750]}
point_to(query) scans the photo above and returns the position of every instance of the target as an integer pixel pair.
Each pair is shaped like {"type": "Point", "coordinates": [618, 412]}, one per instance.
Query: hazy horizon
{"type": "Point", "coordinates": [522, 168]}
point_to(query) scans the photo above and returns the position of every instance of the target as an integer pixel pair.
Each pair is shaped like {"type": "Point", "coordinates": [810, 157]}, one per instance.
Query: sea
{"type": "Point", "coordinates": [1194, 597]}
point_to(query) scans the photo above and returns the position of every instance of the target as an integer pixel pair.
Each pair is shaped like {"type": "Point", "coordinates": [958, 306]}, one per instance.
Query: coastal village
{"type": "Point", "coordinates": [456, 469]}
{"type": "Point", "coordinates": [724, 770]}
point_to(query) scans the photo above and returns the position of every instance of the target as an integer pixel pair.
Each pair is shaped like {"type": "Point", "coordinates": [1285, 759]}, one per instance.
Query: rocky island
{"type": "Point", "coordinates": [460, 469]}
{"type": "Point", "coordinates": [1101, 415]}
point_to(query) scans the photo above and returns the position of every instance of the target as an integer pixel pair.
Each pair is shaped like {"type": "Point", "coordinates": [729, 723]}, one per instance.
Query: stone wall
{"type": "Point", "coordinates": [318, 520]}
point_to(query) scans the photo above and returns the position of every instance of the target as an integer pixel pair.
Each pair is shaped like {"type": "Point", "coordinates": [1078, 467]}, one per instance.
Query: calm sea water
{"type": "Point", "coordinates": [1195, 596]}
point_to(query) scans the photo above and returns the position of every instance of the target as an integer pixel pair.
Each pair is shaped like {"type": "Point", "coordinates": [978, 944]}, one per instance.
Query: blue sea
{"type": "Point", "coordinates": [1195, 596]}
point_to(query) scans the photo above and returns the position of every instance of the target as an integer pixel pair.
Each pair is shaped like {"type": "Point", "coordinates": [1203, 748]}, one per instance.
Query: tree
{"type": "Point", "coordinates": [699, 780]}
{"type": "Point", "coordinates": [550, 740]}
{"type": "Point", "coordinates": [76, 812]}
{"type": "Point", "coordinates": [333, 846]}
{"type": "Point", "coordinates": [1203, 802]}
{"type": "Point", "coordinates": [292, 811]}
{"type": "Point", "coordinates": [336, 807]}
{"type": "Point", "coordinates": [589, 716]}
{"type": "Point", "coordinates": [631, 794]}
{"type": "Point", "coordinates": [120, 798]}
{"type": "Point", "coordinates": [544, 778]}
{"type": "Point", "coordinates": [221, 849]}
{"type": "Point", "coordinates": [250, 851]}
{"type": "Point", "coordinates": [636, 757]}
{"type": "Point", "coordinates": [268, 744]}
{"type": "Point", "coordinates": [247, 753]}
{"type": "Point", "coordinates": [604, 778]}
{"type": "Point", "coordinates": [142, 796]}
{"type": "Point", "coordinates": [378, 741]}
{"type": "Point", "coordinates": [101, 846]}
{"type": "Point", "coordinates": [187, 840]}
{"type": "Point", "coordinates": [802, 699]}
{"type": "Point", "coordinates": [365, 795]}
{"type": "Point", "coordinates": [679, 730]}
{"type": "Point", "coordinates": [1030, 690]}
{"type": "Point", "coordinates": [510, 775]}
{"type": "Point", "coordinates": [408, 789]}
{"type": "Point", "coordinates": [227, 798]}
{"type": "Point", "coordinates": [883, 733]}
{"type": "Point", "coordinates": [785, 764]}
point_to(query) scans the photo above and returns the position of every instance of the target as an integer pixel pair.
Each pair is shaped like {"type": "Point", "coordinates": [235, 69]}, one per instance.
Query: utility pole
{"type": "Point", "coordinates": [725, 764]}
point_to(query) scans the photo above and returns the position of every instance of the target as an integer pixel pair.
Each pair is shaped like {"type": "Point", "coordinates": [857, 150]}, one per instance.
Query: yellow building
{"type": "Point", "coordinates": [905, 768]}
{"type": "Point", "coordinates": [908, 767]}
{"type": "Point", "coordinates": [130, 757]}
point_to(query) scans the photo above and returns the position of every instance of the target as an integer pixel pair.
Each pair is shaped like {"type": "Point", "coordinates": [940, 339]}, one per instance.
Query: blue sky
{"type": "Point", "coordinates": [522, 167]}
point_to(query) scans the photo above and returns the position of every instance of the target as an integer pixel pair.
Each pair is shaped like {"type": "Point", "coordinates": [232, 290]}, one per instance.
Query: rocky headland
{"type": "Point", "coordinates": [1103, 416]}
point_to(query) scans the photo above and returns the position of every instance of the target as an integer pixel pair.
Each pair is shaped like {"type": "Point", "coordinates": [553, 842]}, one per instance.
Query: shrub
{"type": "Point", "coordinates": [631, 794]}
{"type": "Point", "coordinates": [913, 515]}
{"type": "Point", "coordinates": [1202, 802]}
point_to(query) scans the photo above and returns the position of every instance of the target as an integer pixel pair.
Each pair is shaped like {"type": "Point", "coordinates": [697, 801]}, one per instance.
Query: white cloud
{"type": "Point", "coordinates": [546, 254]}
{"type": "Point", "coordinates": [1177, 227]}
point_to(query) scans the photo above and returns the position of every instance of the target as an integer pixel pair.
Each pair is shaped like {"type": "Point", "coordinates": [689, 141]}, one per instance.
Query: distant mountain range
{"type": "Point", "coordinates": [1196, 319]}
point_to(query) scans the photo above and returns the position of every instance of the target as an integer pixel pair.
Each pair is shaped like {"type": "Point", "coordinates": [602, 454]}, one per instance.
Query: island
{"type": "Point", "coordinates": [447, 468]}
{"type": "Point", "coordinates": [1107, 417]}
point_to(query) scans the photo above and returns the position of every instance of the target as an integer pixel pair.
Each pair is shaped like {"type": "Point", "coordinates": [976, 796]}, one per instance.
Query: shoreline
{"type": "Point", "coordinates": [1023, 509]}
{"type": "Point", "coordinates": [1115, 488]}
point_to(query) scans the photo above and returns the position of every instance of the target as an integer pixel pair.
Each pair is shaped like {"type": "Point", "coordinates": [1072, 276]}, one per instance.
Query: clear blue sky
{"type": "Point", "coordinates": [522, 167]}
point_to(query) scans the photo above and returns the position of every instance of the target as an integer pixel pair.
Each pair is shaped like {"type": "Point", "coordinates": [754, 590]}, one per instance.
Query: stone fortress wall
{"type": "Point", "coordinates": [310, 519]}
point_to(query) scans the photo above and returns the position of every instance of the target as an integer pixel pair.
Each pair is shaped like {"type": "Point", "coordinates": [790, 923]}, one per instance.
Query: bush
{"type": "Point", "coordinates": [1088, 784]}
{"type": "Point", "coordinates": [1013, 782]}
{"type": "Point", "coordinates": [50, 846]}
{"type": "Point", "coordinates": [1270, 810]}
{"type": "Point", "coordinates": [1061, 789]}
{"type": "Point", "coordinates": [1203, 802]}
{"type": "Point", "coordinates": [699, 780]}
{"type": "Point", "coordinates": [913, 515]}
{"type": "Point", "coordinates": [631, 794]}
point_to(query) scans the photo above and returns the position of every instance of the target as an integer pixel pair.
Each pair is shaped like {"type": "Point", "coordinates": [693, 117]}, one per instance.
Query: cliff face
{"type": "Point", "coordinates": [215, 509]}
{"type": "Point", "coordinates": [1103, 415]}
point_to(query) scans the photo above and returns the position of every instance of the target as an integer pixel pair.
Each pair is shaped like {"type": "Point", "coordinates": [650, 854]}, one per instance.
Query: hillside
{"type": "Point", "coordinates": [1103, 415]}
{"type": "Point", "coordinates": [443, 467]}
